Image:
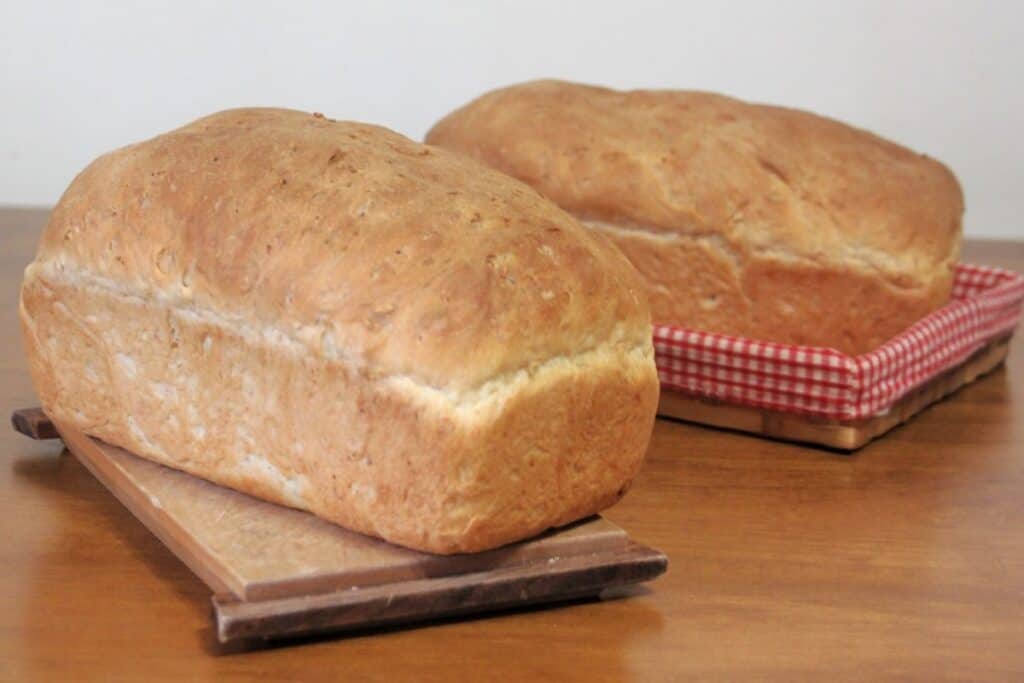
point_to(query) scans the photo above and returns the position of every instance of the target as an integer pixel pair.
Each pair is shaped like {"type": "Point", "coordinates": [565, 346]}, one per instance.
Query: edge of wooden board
{"type": "Point", "coordinates": [842, 435]}
{"type": "Point", "coordinates": [33, 423]}
{"type": "Point", "coordinates": [423, 599]}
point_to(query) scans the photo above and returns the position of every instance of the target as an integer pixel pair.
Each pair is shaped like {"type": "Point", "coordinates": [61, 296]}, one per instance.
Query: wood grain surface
{"type": "Point", "coordinates": [278, 572]}
{"type": "Point", "coordinates": [904, 561]}
{"type": "Point", "coordinates": [256, 550]}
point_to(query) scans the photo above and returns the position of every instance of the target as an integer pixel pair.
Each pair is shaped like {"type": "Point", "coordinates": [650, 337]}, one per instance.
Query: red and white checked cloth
{"type": "Point", "coordinates": [826, 383]}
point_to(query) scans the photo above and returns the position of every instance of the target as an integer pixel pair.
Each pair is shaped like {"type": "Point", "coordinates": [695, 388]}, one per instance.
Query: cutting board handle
{"type": "Point", "coordinates": [33, 423]}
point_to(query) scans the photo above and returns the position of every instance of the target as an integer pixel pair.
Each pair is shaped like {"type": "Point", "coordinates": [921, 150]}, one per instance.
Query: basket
{"type": "Point", "coordinates": [827, 397]}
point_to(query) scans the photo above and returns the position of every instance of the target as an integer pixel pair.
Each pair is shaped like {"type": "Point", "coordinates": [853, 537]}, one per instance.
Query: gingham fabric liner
{"type": "Point", "coordinates": [825, 383]}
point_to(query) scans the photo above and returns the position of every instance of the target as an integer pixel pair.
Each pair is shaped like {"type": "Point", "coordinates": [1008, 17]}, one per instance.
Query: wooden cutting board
{"type": "Point", "coordinates": [278, 572]}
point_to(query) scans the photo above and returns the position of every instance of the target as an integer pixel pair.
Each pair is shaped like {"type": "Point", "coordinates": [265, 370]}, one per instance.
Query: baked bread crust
{"type": "Point", "coordinates": [743, 219]}
{"type": "Point", "coordinates": [330, 316]}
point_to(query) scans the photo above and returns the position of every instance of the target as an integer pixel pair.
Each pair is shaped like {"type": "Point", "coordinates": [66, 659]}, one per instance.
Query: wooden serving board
{"type": "Point", "coordinates": [841, 434]}
{"type": "Point", "coordinates": [278, 572]}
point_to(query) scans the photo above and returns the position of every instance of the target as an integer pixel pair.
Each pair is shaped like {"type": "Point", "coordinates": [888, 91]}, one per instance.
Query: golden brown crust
{"type": "Point", "coordinates": [332, 317]}
{"type": "Point", "coordinates": [692, 182]}
{"type": "Point", "coordinates": [410, 258]}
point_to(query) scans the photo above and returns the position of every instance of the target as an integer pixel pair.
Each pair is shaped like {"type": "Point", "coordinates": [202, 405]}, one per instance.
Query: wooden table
{"type": "Point", "coordinates": [903, 561]}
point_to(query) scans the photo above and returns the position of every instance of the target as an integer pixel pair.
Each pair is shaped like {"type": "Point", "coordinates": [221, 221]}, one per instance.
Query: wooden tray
{"type": "Point", "coordinates": [843, 435]}
{"type": "Point", "coordinates": [277, 572]}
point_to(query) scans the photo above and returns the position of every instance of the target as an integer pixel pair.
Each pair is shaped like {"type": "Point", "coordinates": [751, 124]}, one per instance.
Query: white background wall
{"type": "Point", "coordinates": [77, 79]}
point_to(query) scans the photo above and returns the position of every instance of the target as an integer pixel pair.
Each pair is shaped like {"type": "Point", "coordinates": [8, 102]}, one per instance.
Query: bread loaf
{"type": "Point", "coordinates": [743, 219]}
{"type": "Point", "coordinates": [332, 317]}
